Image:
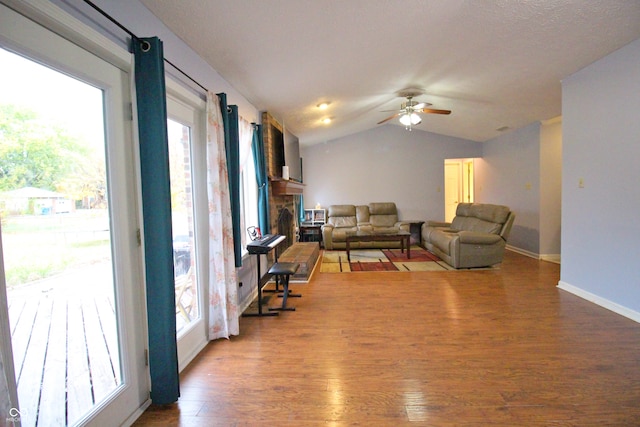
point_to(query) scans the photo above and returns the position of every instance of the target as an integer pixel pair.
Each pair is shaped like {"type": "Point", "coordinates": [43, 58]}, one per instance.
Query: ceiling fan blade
{"type": "Point", "coordinates": [434, 111]}
{"type": "Point", "coordinates": [421, 105]}
{"type": "Point", "coordinates": [388, 118]}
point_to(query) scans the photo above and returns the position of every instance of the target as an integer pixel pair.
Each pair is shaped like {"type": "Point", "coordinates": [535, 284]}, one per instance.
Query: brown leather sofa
{"type": "Point", "coordinates": [375, 218]}
{"type": "Point", "coordinates": [476, 237]}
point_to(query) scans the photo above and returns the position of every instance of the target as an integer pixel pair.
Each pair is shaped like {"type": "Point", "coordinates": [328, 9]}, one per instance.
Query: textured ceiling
{"type": "Point", "coordinates": [493, 63]}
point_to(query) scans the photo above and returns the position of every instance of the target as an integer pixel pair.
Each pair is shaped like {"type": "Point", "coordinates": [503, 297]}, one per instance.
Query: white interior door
{"type": "Point", "coordinates": [94, 307]}
{"type": "Point", "coordinates": [467, 181]}
{"type": "Point", "coordinates": [452, 188]}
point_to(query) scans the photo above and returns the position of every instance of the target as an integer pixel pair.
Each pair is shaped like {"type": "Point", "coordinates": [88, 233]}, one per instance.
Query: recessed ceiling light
{"type": "Point", "coordinates": [323, 105]}
{"type": "Point", "coordinates": [326, 120]}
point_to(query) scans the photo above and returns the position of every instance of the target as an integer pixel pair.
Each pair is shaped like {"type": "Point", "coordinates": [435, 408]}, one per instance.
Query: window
{"type": "Point", "coordinates": [248, 185]}
{"type": "Point", "coordinates": [187, 172]}
{"type": "Point", "coordinates": [182, 214]}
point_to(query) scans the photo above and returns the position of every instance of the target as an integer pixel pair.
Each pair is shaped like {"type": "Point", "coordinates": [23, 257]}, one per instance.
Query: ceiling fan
{"type": "Point", "coordinates": [409, 111]}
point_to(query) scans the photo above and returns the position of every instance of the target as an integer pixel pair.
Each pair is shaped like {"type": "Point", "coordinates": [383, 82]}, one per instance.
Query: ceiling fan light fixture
{"type": "Point", "coordinates": [410, 119]}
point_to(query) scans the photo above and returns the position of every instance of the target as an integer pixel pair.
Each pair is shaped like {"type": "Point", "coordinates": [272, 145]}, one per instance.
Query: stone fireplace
{"type": "Point", "coordinates": [286, 226]}
{"type": "Point", "coordinates": [282, 193]}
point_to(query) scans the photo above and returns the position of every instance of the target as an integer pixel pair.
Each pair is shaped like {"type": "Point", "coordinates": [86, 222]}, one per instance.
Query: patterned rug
{"type": "Point", "coordinates": [382, 260]}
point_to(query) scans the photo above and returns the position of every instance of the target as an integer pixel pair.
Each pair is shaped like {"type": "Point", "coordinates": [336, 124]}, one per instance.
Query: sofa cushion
{"type": "Point", "coordinates": [383, 214]}
{"type": "Point", "coordinates": [442, 239]}
{"type": "Point", "coordinates": [362, 214]}
{"type": "Point", "coordinates": [342, 216]}
{"type": "Point", "coordinates": [475, 224]}
{"type": "Point", "coordinates": [480, 217]}
{"type": "Point", "coordinates": [486, 212]}
{"type": "Point", "coordinates": [340, 234]}
{"type": "Point", "coordinates": [475, 238]}
{"type": "Point", "coordinates": [385, 230]}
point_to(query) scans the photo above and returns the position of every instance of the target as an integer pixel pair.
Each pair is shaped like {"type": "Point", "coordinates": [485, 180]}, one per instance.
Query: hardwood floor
{"type": "Point", "coordinates": [497, 348]}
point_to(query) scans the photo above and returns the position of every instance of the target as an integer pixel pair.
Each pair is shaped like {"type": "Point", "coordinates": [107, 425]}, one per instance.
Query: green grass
{"type": "Point", "coordinates": [37, 247]}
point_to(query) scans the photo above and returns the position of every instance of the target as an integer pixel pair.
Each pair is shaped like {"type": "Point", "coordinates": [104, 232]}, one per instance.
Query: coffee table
{"type": "Point", "coordinates": [404, 237]}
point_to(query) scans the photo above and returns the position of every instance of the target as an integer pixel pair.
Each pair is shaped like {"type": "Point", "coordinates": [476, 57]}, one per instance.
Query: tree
{"type": "Point", "coordinates": [35, 153]}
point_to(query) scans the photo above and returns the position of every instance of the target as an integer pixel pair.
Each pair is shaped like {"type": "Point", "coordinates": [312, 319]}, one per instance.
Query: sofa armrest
{"type": "Point", "coordinates": [437, 224]}
{"type": "Point", "coordinates": [327, 235]}
{"type": "Point", "coordinates": [476, 238]}
{"type": "Point", "coordinates": [403, 225]}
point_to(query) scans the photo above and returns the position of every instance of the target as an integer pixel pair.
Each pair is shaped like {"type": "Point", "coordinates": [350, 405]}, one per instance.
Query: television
{"type": "Point", "coordinates": [278, 152]}
{"type": "Point", "coordinates": [292, 156]}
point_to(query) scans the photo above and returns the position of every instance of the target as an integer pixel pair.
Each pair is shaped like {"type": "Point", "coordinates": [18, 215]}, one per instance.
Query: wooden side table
{"type": "Point", "coordinates": [311, 233]}
{"type": "Point", "coordinates": [415, 228]}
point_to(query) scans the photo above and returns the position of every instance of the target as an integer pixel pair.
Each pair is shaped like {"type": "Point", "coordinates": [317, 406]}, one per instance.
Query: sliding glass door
{"type": "Point", "coordinates": [68, 201]}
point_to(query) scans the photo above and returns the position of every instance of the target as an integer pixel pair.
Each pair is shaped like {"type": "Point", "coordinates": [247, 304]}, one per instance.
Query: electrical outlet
{"type": "Point", "coordinates": [581, 183]}
{"type": "Point", "coordinates": [527, 186]}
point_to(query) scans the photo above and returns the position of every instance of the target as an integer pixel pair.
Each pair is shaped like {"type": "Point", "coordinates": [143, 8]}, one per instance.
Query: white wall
{"type": "Point", "coordinates": [134, 16]}
{"type": "Point", "coordinates": [601, 146]}
{"type": "Point", "coordinates": [550, 188]}
{"type": "Point", "coordinates": [387, 163]}
{"type": "Point", "coordinates": [509, 174]}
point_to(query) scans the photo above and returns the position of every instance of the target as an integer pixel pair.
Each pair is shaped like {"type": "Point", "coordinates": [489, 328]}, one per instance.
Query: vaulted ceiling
{"type": "Point", "coordinates": [495, 64]}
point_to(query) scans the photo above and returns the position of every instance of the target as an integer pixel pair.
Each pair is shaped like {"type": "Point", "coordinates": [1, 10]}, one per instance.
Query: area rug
{"type": "Point", "coordinates": [382, 260]}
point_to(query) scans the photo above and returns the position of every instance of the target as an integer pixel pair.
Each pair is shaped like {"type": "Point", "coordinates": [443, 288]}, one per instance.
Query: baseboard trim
{"type": "Point", "coordinates": [555, 258]}
{"type": "Point", "coordinates": [248, 300]}
{"type": "Point", "coordinates": [522, 252]}
{"type": "Point", "coordinates": [137, 413]}
{"type": "Point", "coordinates": [185, 362]}
{"type": "Point", "coordinates": [602, 302]}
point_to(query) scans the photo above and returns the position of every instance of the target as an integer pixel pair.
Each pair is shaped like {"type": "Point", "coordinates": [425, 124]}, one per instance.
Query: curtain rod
{"type": "Point", "coordinates": [134, 37]}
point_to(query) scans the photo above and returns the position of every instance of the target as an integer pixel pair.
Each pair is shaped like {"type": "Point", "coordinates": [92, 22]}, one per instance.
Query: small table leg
{"type": "Point", "coordinates": [348, 247]}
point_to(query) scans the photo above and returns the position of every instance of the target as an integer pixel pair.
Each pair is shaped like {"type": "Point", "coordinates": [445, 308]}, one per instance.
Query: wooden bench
{"type": "Point", "coordinates": [304, 253]}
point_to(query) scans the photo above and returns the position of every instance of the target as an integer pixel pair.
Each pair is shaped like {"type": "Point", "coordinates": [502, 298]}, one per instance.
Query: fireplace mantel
{"type": "Point", "coordinates": [284, 187]}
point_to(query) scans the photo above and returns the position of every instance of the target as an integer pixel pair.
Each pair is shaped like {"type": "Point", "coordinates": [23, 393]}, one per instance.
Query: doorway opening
{"type": "Point", "coordinates": [458, 185]}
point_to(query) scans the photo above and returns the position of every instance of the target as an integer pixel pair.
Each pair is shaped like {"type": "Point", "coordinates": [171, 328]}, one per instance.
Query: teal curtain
{"type": "Point", "coordinates": [156, 208]}
{"type": "Point", "coordinates": [300, 209]}
{"type": "Point", "coordinates": [261, 178]}
{"type": "Point", "coordinates": [232, 149]}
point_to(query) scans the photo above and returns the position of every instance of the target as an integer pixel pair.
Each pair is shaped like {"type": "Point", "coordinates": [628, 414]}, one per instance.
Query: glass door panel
{"type": "Point", "coordinates": [68, 203]}
{"type": "Point", "coordinates": [57, 242]}
{"type": "Point", "coordinates": [184, 254]}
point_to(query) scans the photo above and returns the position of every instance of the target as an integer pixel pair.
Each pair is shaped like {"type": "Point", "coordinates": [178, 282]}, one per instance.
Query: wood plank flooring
{"type": "Point", "coordinates": [480, 348]}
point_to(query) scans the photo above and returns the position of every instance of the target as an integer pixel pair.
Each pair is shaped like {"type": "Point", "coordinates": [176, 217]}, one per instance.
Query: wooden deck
{"type": "Point", "coordinates": [65, 345]}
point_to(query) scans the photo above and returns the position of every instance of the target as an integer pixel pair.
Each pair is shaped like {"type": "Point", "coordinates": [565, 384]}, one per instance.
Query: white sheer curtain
{"type": "Point", "coordinates": [223, 291]}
